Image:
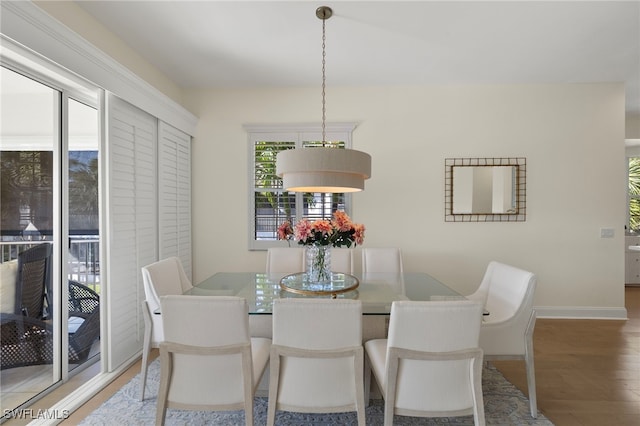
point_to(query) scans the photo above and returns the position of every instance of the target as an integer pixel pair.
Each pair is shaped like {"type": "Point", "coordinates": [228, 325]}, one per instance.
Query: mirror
{"type": "Point", "coordinates": [485, 189]}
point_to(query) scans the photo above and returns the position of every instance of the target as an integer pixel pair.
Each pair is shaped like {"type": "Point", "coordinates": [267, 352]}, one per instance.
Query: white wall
{"type": "Point", "coordinates": [571, 135]}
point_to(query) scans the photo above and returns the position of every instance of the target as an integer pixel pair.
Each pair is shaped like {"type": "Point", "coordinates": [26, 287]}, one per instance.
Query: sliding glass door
{"type": "Point", "coordinates": [48, 212]}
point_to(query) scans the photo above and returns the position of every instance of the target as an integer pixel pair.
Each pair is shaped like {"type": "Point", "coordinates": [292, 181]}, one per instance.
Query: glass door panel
{"type": "Point", "coordinates": [83, 266]}
{"type": "Point", "coordinates": [29, 143]}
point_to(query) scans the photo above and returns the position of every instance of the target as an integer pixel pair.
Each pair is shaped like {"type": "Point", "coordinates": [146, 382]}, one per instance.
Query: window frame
{"type": "Point", "coordinates": [297, 133]}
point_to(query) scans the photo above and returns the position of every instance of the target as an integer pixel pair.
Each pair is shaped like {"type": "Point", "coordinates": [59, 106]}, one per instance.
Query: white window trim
{"type": "Point", "coordinates": [282, 132]}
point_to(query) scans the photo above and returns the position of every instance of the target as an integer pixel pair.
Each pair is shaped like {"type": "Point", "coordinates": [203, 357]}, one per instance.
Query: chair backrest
{"type": "Point", "coordinates": [207, 322]}
{"type": "Point", "coordinates": [508, 327]}
{"type": "Point", "coordinates": [317, 325]}
{"type": "Point", "coordinates": [82, 299]}
{"type": "Point", "coordinates": [382, 260]}
{"type": "Point", "coordinates": [163, 278]}
{"type": "Point", "coordinates": [482, 292]}
{"type": "Point", "coordinates": [342, 260]}
{"type": "Point", "coordinates": [33, 282]}
{"type": "Point", "coordinates": [285, 259]}
{"type": "Point", "coordinates": [436, 327]}
{"type": "Point", "coordinates": [510, 292]}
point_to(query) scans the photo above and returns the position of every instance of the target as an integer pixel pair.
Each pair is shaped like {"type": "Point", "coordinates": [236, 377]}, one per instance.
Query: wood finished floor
{"type": "Point", "coordinates": [587, 371]}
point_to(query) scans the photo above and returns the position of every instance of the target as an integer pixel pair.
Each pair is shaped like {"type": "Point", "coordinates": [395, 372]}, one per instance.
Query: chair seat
{"type": "Point", "coordinates": [377, 353]}
{"type": "Point", "coordinates": [260, 350]}
{"type": "Point", "coordinates": [74, 324]}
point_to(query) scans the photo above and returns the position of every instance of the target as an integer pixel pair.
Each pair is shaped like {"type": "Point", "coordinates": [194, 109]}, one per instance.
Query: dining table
{"type": "Point", "coordinates": [377, 291]}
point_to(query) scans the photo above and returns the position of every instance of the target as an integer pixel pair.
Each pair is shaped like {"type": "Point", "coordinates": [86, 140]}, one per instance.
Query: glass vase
{"type": "Point", "coordinates": [319, 264]}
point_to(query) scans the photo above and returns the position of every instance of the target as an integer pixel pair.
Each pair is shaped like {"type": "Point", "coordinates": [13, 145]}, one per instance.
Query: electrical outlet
{"type": "Point", "coordinates": [607, 233]}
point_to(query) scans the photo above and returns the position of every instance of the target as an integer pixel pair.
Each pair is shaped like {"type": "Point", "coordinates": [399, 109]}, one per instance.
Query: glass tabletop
{"type": "Point", "coordinates": [377, 291]}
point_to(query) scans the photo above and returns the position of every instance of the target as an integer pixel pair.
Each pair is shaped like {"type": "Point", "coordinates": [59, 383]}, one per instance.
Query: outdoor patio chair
{"type": "Point", "coordinates": [27, 340]}
{"type": "Point", "coordinates": [84, 321]}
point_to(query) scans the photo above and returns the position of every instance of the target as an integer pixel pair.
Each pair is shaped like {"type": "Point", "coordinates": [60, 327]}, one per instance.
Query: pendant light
{"type": "Point", "coordinates": [323, 169]}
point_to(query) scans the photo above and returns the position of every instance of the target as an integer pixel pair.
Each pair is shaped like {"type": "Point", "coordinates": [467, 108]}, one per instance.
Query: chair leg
{"type": "Point", "coordinates": [146, 347]}
{"type": "Point", "coordinates": [247, 376]}
{"type": "Point", "coordinates": [531, 381]}
{"type": "Point", "coordinates": [274, 376]}
{"type": "Point", "coordinates": [528, 359]}
{"type": "Point", "coordinates": [359, 385]}
{"type": "Point", "coordinates": [388, 412]}
{"type": "Point", "coordinates": [166, 370]}
{"type": "Point", "coordinates": [367, 381]}
{"type": "Point", "coordinates": [478, 400]}
{"type": "Point", "coordinates": [389, 394]}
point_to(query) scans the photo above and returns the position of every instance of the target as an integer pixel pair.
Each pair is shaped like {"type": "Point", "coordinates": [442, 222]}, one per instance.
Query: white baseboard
{"type": "Point", "coordinates": [579, 312]}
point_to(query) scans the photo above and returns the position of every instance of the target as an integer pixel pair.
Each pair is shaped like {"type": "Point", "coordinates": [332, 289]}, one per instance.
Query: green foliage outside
{"type": "Point", "coordinates": [634, 193]}
{"type": "Point", "coordinates": [83, 194]}
{"type": "Point", "coordinates": [265, 175]}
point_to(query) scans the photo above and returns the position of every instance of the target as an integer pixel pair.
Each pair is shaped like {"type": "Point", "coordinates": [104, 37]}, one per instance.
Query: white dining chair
{"type": "Point", "coordinates": [387, 260]}
{"type": "Point", "coordinates": [208, 360]}
{"type": "Point", "coordinates": [380, 262]}
{"type": "Point", "coordinates": [431, 364]}
{"type": "Point", "coordinates": [316, 363]}
{"type": "Point", "coordinates": [507, 329]}
{"type": "Point", "coordinates": [159, 279]}
{"type": "Point", "coordinates": [285, 259]}
{"type": "Point", "coordinates": [342, 260]}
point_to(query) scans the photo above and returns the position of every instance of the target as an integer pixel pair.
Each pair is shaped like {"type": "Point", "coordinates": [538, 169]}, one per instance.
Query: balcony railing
{"type": "Point", "coordinates": [83, 262]}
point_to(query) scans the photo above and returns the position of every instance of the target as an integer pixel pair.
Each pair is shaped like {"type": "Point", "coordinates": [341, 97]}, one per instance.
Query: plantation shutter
{"type": "Point", "coordinates": [174, 195]}
{"type": "Point", "coordinates": [269, 204]}
{"type": "Point", "coordinates": [131, 223]}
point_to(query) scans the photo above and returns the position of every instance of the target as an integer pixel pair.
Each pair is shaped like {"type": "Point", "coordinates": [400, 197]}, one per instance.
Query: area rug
{"type": "Point", "coordinates": [504, 405]}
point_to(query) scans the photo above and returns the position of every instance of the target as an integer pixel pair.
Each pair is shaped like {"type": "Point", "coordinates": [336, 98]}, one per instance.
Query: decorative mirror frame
{"type": "Point", "coordinates": [521, 190]}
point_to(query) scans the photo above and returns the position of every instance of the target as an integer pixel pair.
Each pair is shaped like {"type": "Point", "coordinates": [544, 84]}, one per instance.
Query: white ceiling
{"type": "Point", "coordinates": [269, 43]}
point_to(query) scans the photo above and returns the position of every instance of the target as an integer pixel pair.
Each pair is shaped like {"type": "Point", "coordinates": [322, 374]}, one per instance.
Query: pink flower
{"type": "Point", "coordinates": [323, 226]}
{"type": "Point", "coordinates": [342, 221]}
{"type": "Point", "coordinates": [358, 236]}
{"type": "Point", "coordinates": [303, 230]}
{"type": "Point", "coordinates": [285, 231]}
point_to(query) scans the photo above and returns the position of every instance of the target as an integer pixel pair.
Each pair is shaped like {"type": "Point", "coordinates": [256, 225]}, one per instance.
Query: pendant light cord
{"type": "Point", "coordinates": [323, 82]}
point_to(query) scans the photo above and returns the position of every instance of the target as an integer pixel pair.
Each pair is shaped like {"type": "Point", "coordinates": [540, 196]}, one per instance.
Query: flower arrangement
{"type": "Point", "coordinates": [338, 232]}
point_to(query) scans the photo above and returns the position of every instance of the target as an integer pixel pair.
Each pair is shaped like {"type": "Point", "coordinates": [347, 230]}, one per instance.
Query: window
{"type": "Point", "coordinates": [634, 193]}
{"type": "Point", "coordinates": [269, 203]}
